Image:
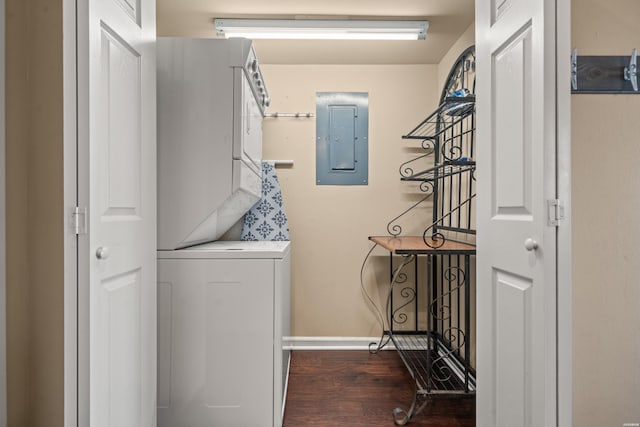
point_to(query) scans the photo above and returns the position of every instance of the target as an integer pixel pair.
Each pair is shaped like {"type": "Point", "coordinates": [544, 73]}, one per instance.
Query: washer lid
{"type": "Point", "coordinates": [230, 250]}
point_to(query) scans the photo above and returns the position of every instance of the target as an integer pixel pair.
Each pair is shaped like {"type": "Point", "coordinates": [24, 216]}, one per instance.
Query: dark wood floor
{"type": "Point", "coordinates": [358, 389]}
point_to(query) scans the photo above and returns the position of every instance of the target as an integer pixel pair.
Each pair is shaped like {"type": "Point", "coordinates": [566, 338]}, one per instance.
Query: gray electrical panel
{"type": "Point", "coordinates": [342, 138]}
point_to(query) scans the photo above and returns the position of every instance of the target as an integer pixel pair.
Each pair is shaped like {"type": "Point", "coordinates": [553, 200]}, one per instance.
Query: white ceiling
{"type": "Point", "coordinates": [448, 19]}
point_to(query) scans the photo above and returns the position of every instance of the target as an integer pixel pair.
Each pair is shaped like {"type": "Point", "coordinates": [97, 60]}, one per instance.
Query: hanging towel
{"type": "Point", "coordinates": [266, 220]}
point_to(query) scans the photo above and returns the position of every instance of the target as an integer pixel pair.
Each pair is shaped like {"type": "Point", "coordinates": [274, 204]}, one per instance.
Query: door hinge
{"type": "Point", "coordinates": [79, 220]}
{"type": "Point", "coordinates": [555, 212]}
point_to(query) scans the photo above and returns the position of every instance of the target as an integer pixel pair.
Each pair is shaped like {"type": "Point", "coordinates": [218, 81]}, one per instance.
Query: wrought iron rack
{"type": "Point", "coordinates": [435, 345]}
{"type": "Point", "coordinates": [431, 299]}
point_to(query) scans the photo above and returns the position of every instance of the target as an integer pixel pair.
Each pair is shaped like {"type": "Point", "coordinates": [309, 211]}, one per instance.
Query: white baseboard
{"type": "Point", "coordinates": [331, 343]}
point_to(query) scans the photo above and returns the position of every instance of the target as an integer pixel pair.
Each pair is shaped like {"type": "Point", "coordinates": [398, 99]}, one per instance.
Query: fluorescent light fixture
{"type": "Point", "coordinates": [321, 29]}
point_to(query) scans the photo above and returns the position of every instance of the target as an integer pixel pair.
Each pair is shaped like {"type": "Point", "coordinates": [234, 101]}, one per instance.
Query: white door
{"type": "Point", "coordinates": [116, 75]}
{"type": "Point", "coordinates": [516, 276]}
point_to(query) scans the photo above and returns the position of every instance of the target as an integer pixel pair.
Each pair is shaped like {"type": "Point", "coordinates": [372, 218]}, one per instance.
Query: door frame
{"type": "Point", "coordinates": [70, 196]}
{"type": "Point", "coordinates": [74, 356]}
{"type": "Point", "coordinates": [76, 193]}
{"type": "Point", "coordinates": [564, 261]}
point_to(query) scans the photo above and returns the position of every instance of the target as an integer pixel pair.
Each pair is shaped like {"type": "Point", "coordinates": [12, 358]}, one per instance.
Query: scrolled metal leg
{"type": "Point", "coordinates": [402, 417]}
{"type": "Point", "coordinates": [375, 347]}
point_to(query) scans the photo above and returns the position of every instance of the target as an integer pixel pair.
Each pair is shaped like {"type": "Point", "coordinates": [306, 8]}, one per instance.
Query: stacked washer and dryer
{"type": "Point", "coordinates": [223, 307]}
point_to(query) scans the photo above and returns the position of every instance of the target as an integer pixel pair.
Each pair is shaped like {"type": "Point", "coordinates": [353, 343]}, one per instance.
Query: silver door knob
{"type": "Point", "coordinates": [102, 252]}
{"type": "Point", "coordinates": [530, 244]}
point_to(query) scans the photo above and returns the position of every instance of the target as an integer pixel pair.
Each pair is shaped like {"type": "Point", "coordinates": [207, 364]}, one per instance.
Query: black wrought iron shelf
{"type": "Point", "coordinates": [437, 357]}
{"type": "Point", "coordinates": [441, 171]}
{"type": "Point", "coordinates": [450, 113]}
{"type": "Point", "coordinates": [429, 307]}
{"type": "Point", "coordinates": [415, 245]}
{"type": "Point", "coordinates": [431, 365]}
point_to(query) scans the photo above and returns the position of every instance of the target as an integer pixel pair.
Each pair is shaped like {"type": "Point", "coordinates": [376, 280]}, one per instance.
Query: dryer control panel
{"type": "Point", "coordinates": [256, 81]}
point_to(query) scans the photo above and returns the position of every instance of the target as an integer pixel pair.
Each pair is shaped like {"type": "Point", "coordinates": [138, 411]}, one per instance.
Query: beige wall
{"type": "Point", "coordinates": [330, 224]}
{"type": "Point", "coordinates": [16, 193]}
{"type": "Point", "coordinates": [34, 213]}
{"type": "Point", "coordinates": [606, 230]}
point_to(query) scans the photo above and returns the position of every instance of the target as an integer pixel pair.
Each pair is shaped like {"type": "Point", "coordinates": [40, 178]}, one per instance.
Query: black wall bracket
{"type": "Point", "coordinates": [604, 74]}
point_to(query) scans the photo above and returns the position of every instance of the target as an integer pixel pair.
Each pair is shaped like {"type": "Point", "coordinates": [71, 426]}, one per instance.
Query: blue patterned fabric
{"type": "Point", "coordinates": [266, 220]}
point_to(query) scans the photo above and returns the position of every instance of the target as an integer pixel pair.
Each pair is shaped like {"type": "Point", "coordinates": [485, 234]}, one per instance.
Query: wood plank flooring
{"type": "Point", "coordinates": [358, 389]}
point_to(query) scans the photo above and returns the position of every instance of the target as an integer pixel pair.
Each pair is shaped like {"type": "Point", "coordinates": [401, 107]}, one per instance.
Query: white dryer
{"type": "Point", "coordinates": [211, 101]}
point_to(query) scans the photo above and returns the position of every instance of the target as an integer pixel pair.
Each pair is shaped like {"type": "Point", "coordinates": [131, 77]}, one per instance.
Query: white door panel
{"type": "Point", "coordinates": [117, 85]}
{"type": "Point", "coordinates": [121, 149]}
{"type": "Point", "coordinates": [513, 344]}
{"type": "Point", "coordinates": [118, 384]}
{"type": "Point", "coordinates": [516, 306]}
{"type": "Point", "coordinates": [512, 142]}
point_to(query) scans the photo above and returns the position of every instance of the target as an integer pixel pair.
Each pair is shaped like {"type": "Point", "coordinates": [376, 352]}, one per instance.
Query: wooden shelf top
{"type": "Point", "coordinates": [415, 245]}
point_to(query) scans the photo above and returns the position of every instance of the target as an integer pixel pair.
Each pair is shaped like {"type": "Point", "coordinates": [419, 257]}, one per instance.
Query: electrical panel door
{"type": "Point", "coordinates": [342, 138]}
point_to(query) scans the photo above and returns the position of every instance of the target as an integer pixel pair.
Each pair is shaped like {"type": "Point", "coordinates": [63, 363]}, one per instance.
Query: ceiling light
{"type": "Point", "coordinates": [321, 29]}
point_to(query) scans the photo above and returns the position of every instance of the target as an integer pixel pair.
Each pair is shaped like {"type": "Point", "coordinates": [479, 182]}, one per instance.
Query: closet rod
{"type": "Point", "coordinates": [280, 163]}
{"type": "Point", "coordinates": [297, 115]}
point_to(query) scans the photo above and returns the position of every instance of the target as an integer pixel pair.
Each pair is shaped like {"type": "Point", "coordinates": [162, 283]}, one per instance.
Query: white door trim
{"type": "Point", "coordinates": [70, 109]}
{"type": "Point", "coordinates": [563, 180]}
{"type": "Point", "coordinates": [70, 242]}
{"type": "Point", "coordinates": [3, 218]}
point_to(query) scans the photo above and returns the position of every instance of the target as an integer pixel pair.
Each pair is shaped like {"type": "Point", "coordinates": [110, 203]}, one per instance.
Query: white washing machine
{"type": "Point", "coordinates": [223, 309]}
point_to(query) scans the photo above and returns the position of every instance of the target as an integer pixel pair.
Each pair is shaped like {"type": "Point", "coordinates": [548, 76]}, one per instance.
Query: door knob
{"type": "Point", "coordinates": [530, 244]}
{"type": "Point", "coordinates": [102, 252]}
